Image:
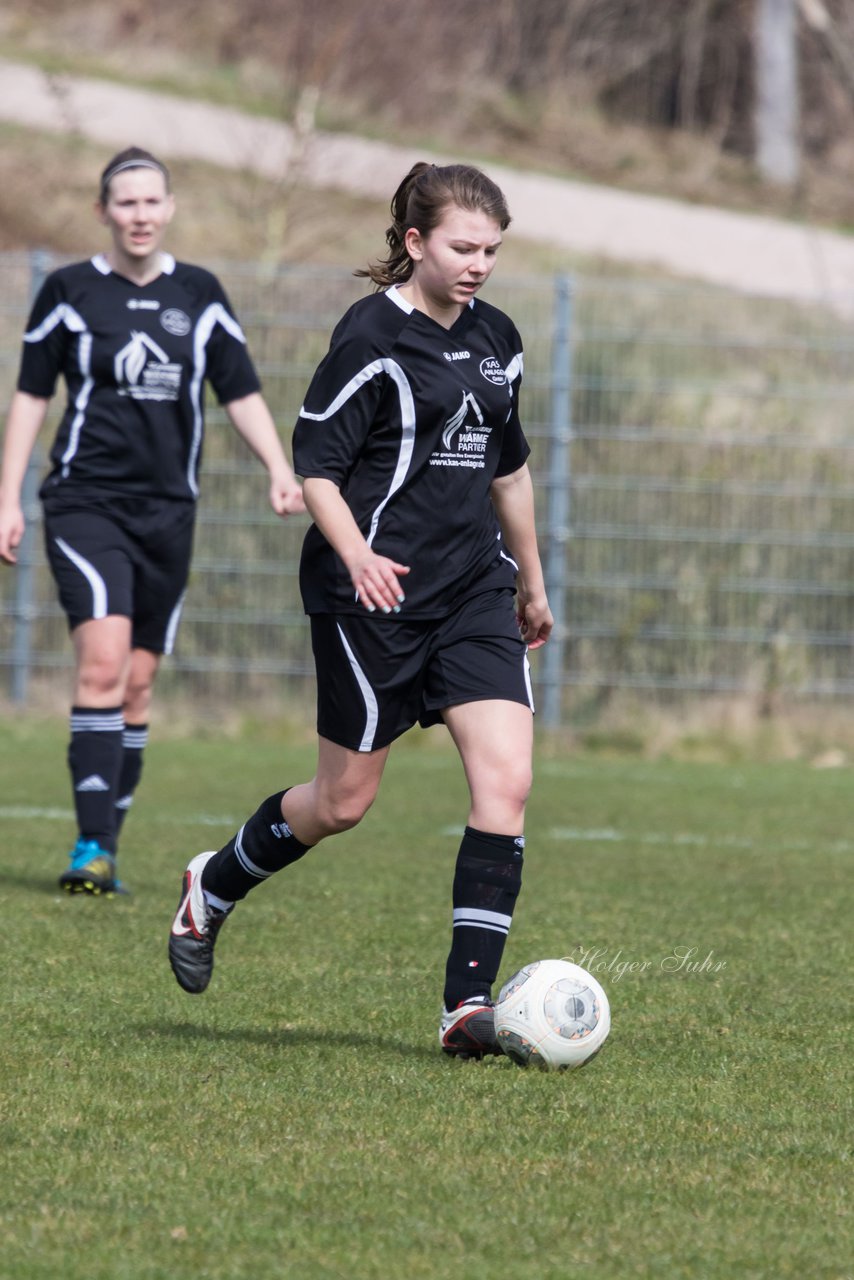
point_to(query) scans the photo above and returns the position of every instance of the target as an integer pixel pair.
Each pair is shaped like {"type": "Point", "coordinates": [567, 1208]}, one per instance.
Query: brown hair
{"type": "Point", "coordinates": [130, 158]}
{"type": "Point", "coordinates": [421, 200]}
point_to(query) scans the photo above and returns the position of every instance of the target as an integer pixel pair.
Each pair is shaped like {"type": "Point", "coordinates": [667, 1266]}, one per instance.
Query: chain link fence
{"type": "Point", "coordinates": [693, 454]}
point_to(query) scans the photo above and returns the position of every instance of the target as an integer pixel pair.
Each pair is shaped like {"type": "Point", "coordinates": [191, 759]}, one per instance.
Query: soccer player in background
{"type": "Point", "coordinates": [134, 334]}
{"type": "Point", "coordinates": [422, 579]}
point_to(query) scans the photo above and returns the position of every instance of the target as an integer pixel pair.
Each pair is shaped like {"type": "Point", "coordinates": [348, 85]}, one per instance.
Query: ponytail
{"type": "Point", "coordinates": [420, 202]}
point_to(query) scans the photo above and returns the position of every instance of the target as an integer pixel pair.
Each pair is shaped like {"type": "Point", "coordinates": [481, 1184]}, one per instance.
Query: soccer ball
{"type": "Point", "coordinates": [552, 1013]}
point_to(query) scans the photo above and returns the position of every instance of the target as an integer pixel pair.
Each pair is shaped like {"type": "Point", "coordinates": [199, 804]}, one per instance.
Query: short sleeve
{"type": "Point", "coordinates": [514, 447]}
{"type": "Point", "coordinates": [229, 367]}
{"type": "Point", "coordinates": [341, 404]}
{"type": "Point", "coordinates": [46, 340]}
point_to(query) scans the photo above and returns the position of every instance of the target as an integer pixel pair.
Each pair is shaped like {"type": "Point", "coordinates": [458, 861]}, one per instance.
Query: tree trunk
{"type": "Point", "coordinates": [777, 97]}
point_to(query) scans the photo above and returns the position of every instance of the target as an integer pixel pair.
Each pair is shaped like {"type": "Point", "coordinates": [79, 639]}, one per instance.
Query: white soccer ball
{"type": "Point", "coordinates": [552, 1014]}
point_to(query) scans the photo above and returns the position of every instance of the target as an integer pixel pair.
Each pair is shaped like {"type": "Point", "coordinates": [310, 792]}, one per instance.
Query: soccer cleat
{"type": "Point", "coordinates": [91, 870]}
{"type": "Point", "coordinates": [469, 1030]}
{"type": "Point", "coordinates": [194, 930]}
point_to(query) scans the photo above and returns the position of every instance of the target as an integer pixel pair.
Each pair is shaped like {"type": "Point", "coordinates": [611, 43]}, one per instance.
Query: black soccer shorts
{"type": "Point", "coordinates": [130, 557]}
{"type": "Point", "coordinates": [379, 674]}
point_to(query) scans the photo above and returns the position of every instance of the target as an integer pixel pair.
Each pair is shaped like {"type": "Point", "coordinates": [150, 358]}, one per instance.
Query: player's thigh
{"type": "Point", "coordinates": [91, 564]}
{"type": "Point", "coordinates": [495, 741]}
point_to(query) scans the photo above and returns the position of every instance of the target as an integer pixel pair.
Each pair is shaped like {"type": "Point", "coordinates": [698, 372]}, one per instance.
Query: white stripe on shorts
{"type": "Point", "coordinates": [92, 576]}
{"type": "Point", "coordinates": [172, 628]}
{"type": "Point", "coordinates": [528, 683]}
{"type": "Point", "coordinates": [372, 711]}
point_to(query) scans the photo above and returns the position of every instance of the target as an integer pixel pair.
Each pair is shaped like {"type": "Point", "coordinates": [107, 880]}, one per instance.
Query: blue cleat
{"type": "Point", "coordinates": [91, 870]}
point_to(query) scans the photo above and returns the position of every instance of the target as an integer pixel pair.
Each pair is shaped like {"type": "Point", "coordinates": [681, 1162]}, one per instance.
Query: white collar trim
{"type": "Point", "coordinates": [167, 264]}
{"type": "Point", "coordinates": [395, 296]}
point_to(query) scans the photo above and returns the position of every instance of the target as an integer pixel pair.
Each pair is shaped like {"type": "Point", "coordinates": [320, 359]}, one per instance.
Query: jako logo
{"type": "Point", "coordinates": [457, 355]}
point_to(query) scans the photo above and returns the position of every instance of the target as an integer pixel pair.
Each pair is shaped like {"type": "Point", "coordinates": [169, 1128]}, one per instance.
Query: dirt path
{"type": "Point", "coordinates": [753, 254]}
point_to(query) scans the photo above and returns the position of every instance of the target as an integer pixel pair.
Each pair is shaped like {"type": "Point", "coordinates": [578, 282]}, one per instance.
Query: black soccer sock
{"type": "Point", "coordinates": [134, 742]}
{"type": "Point", "coordinates": [95, 760]}
{"type": "Point", "coordinates": [487, 881]}
{"type": "Point", "coordinates": [263, 845]}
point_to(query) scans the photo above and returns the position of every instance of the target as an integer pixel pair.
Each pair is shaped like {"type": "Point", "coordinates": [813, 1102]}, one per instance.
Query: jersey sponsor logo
{"type": "Point", "coordinates": [143, 304]}
{"type": "Point", "coordinates": [464, 437]}
{"type": "Point", "coordinates": [144, 371]}
{"type": "Point", "coordinates": [175, 321]}
{"type": "Point", "coordinates": [457, 355]}
{"type": "Point", "coordinates": [493, 371]}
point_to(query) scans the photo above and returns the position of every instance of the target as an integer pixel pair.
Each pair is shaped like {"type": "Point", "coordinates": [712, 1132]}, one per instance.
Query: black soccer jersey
{"type": "Point", "coordinates": [134, 359]}
{"type": "Point", "coordinates": [413, 422]}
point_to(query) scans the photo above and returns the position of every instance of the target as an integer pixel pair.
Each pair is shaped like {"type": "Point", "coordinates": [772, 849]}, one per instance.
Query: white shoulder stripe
{"type": "Point", "coordinates": [515, 368]}
{"type": "Point", "coordinates": [407, 421]}
{"type": "Point", "coordinates": [217, 314]}
{"type": "Point", "coordinates": [361, 379]}
{"type": "Point", "coordinates": [207, 321]}
{"type": "Point", "coordinates": [62, 314]}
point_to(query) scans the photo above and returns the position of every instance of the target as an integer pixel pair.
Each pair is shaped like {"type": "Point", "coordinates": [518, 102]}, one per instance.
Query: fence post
{"type": "Point", "coordinates": [25, 568]}
{"type": "Point", "coordinates": [558, 507]}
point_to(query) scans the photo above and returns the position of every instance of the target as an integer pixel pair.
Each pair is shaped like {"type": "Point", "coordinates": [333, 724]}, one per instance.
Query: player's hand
{"type": "Point", "coordinates": [376, 580]}
{"type": "Point", "coordinates": [535, 620]}
{"type": "Point", "coordinates": [286, 496]}
{"type": "Point", "coordinates": [12, 527]}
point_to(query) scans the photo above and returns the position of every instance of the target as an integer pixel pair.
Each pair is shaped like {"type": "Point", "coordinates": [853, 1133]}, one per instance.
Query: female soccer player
{"type": "Point", "coordinates": [414, 470]}
{"type": "Point", "coordinates": [134, 334]}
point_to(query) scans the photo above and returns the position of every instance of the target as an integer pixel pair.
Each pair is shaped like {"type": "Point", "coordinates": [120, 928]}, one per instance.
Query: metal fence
{"type": "Point", "coordinates": [693, 454]}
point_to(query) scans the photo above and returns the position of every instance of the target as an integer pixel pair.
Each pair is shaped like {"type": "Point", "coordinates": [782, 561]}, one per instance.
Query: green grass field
{"type": "Point", "coordinates": [298, 1119]}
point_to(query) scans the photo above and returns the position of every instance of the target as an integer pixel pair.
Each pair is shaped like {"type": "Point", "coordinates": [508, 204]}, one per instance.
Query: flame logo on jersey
{"type": "Point", "coordinates": [464, 437]}
{"type": "Point", "coordinates": [455, 423]}
{"type": "Point", "coordinates": [144, 371]}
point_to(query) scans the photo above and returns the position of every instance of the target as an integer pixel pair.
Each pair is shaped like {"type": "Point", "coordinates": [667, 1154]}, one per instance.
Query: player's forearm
{"type": "Point", "coordinates": [26, 416]}
{"type": "Point", "coordinates": [254, 423]}
{"type": "Point", "coordinates": [334, 519]}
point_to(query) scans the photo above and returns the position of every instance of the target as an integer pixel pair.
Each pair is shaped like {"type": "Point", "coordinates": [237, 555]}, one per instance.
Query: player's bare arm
{"type": "Point", "coordinates": [253, 421]}
{"type": "Point", "coordinates": [513, 499]}
{"type": "Point", "coordinates": [26, 416]}
{"type": "Point", "coordinates": [375, 578]}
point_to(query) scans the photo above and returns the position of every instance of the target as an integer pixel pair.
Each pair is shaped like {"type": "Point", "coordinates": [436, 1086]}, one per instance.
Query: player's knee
{"type": "Point", "coordinates": [505, 790]}
{"type": "Point", "coordinates": [516, 782]}
{"type": "Point", "coordinates": [342, 811]}
{"type": "Point", "coordinates": [99, 677]}
{"type": "Point", "coordinates": [137, 700]}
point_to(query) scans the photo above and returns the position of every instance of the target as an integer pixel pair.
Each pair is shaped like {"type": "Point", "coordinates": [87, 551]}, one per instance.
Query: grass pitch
{"type": "Point", "coordinates": [298, 1119]}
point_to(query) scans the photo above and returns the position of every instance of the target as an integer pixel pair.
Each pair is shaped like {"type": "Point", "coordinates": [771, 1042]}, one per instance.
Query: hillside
{"type": "Point", "coordinates": [579, 89]}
